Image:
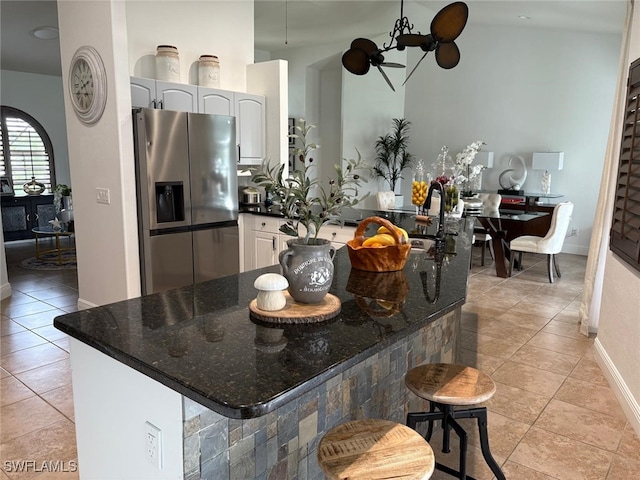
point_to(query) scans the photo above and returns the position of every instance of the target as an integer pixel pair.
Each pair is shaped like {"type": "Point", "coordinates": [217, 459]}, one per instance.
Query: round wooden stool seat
{"type": "Point", "coordinates": [450, 384]}
{"type": "Point", "coordinates": [375, 449]}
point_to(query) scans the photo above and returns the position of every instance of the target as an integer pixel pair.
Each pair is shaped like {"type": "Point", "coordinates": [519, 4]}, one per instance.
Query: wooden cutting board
{"type": "Point", "coordinates": [295, 312]}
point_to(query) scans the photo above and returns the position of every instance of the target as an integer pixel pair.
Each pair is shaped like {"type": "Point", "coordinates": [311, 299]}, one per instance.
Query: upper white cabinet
{"type": "Point", "coordinates": [248, 109]}
{"type": "Point", "coordinates": [216, 102]}
{"type": "Point", "coordinates": [149, 93]}
{"type": "Point", "coordinates": [250, 119]}
{"type": "Point", "coordinates": [250, 115]}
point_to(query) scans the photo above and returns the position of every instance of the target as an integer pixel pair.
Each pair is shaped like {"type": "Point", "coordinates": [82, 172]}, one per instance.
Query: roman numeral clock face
{"type": "Point", "coordinates": [82, 85]}
{"type": "Point", "coordinates": [87, 85]}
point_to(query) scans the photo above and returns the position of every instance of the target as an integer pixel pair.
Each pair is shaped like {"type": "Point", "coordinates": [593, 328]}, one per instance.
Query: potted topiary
{"type": "Point", "coordinates": [392, 157]}
{"type": "Point", "coordinates": [308, 262]}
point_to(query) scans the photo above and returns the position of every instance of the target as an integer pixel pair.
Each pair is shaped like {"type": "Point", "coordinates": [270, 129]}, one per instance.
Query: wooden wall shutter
{"type": "Point", "coordinates": [625, 226]}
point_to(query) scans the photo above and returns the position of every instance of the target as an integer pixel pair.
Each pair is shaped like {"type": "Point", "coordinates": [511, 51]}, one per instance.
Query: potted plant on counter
{"type": "Point", "coordinates": [392, 157]}
{"type": "Point", "coordinates": [308, 262]}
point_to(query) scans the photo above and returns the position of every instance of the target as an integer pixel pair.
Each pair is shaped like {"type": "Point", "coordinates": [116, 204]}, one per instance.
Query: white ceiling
{"type": "Point", "coordinates": [313, 21]}
{"type": "Point", "coordinates": [309, 22]}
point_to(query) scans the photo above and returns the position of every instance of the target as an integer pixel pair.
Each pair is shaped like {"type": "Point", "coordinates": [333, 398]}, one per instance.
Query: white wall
{"type": "Point", "coordinates": [362, 105]}
{"type": "Point", "coordinates": [619, 328]}
{"type": "Point", "coordinates": [112, 403]}
{"type": "Point", "coordinates": [5, 286]}
{"type": "Point", "coordinates": [270, 79]}
{"type": "Point", "coordinates": [222, 28]}
{"type": "Point", "coordinates": [102, 155]}
{"type": "Point", "coordinates": [41, 97]}
{"type": "Point", "coordinates": [523, 90]}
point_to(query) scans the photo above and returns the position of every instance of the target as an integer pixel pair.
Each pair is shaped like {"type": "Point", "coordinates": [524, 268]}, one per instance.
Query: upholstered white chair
{"type": "Point", "coordinates": [550, 244]}
{"type": "Point", "coordinates": [490, 203]}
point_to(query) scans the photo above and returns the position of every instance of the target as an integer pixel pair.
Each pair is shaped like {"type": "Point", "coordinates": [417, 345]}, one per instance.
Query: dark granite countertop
{"type": "Point", "coordinates": [201, 342]}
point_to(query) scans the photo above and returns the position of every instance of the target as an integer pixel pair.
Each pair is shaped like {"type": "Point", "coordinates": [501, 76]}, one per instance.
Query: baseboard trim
{"type": "Point", "coordinates": [629, 404]}
{"type": "Point", "coordinates": [84, 304]}
{"type": "Point", "coordinates": [575, 250]}
{"type": "Point", "coordinates": [5, 291]}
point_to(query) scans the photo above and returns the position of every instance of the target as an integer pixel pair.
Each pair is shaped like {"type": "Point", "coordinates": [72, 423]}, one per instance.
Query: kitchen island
{"type": "Point", "coordinates": [184, 384]}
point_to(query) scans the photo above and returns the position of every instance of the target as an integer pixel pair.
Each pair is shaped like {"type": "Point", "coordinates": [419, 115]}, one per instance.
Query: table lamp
{"type": "Point", "coordinates": [547, 161]}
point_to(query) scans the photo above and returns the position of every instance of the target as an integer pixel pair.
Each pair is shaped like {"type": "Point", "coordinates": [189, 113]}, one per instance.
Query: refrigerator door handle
{"type": "Point", "coordinates": [160, 106]}
{"type": "Point", "coordinates": [273, 243]}
{"type": "Point", "coordinates": [238, 153]}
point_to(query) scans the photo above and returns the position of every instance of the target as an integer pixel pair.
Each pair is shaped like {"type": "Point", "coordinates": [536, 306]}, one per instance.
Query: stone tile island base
{"type": "Point", "coordinates": [283, 443]}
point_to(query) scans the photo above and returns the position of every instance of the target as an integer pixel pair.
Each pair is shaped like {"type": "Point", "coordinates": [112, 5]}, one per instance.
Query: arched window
{"type": "Point", "coordinates": [25, 149]}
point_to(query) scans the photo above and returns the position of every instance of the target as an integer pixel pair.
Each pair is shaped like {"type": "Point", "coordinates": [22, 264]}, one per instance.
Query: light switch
{"type": "Point", "coordinates": [102, 196]}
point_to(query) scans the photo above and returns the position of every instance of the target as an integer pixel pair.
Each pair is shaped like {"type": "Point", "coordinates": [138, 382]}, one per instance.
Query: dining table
{"type": "Point", "coordinates": [504, 225]}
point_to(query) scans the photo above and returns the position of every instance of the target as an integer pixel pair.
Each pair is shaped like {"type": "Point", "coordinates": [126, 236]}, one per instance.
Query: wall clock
{"type": "Point", "coordinates": [88, 85]}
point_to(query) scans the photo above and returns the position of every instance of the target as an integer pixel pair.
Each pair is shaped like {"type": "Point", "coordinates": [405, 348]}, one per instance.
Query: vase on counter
{"type": "Point", "coordinates": [309, 268]}
{"type": "Point", "coordinates": [451, 196]}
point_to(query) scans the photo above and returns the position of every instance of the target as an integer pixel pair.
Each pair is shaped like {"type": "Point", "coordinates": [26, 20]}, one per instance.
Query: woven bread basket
{"type": "Point", "coordinates": [389, 258]}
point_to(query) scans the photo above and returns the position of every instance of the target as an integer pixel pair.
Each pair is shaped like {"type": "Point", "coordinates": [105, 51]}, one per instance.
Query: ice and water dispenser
{"type": "Point", "coordinates": [170, 202]}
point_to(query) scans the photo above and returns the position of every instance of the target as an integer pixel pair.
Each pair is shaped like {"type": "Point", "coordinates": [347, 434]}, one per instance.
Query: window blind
{"type": "Point", "coordinates": [625, 226]}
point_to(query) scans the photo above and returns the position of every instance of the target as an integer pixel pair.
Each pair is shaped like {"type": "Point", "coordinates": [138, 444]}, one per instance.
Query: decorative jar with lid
{"type": "Point", "coordinates": [167, 63]}
{"type": "Point", "coordinates": [209, 71]}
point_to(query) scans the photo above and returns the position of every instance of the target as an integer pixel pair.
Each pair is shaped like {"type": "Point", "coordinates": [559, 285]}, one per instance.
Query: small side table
{"type": "Point", "coordinates": [50, 232]}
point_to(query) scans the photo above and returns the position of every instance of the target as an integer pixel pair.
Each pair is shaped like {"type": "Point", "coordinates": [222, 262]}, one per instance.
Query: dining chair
{"type": "Point", "coordinates": [490, 203]}
{"type": "Point", "coordinates": [550, 244]}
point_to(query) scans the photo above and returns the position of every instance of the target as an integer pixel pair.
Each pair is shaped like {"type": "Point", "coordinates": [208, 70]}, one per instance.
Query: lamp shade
{"type": "Point", "coordinates": [547, 161]}
{"type": "Point", "coordinates": [484, 158]}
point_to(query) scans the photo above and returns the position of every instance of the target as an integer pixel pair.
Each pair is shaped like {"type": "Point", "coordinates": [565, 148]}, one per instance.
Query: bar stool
{"type": "Point", "coordinates": [375, 449]}
{"type": "Point", "coordinates": [446, 386]}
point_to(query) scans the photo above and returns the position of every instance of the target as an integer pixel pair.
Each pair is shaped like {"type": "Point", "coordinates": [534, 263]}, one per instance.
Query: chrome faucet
{"type": "Point", "coordinates": [439, 237]}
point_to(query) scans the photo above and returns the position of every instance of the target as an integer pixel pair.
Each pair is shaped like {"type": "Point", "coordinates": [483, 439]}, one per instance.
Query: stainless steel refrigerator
{"type": "Point", "coordinates": [187, 192]}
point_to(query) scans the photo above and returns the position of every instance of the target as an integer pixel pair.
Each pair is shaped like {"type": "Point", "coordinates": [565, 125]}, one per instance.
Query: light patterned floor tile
{"type": "Point", "coordinates": [528, 378]}
{"type": "Point", "coordinates": [557, 343]}
{"type": "Point", "coordinates": [561, 457]}
{"type": "Point", "coordinates": [591, 396]}
{"type": "Point", "coordinates": [545, 359]}
{"type": "Point", "coordinates": [515, 471]}
{"type": "Point", "coordinates": [517, 404]}
{"type": "Point", "coordinates": [595, 428]}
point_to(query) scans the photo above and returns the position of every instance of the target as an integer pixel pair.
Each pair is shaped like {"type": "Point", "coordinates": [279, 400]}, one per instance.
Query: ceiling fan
{"type": "Point", "coordinates": [446, 26]}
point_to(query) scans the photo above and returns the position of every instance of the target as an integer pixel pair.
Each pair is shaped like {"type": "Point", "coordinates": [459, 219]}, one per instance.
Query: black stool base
{"type": "Point", "coordinates": [447, 415]}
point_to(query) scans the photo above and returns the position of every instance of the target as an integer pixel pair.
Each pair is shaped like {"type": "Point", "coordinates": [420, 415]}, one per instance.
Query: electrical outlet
{"type": "Point", "coordinates": [153, 444]}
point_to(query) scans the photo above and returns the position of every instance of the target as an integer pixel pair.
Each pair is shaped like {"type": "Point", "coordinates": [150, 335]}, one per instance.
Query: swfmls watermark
{"type": "Point", "coordinates": [59, 466]}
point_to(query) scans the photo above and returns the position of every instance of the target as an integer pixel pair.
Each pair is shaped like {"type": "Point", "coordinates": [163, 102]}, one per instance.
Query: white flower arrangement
{"type": "Point", "coordinates": [60, 191]}
{"type": "Point", "coordinates": [464, 160]}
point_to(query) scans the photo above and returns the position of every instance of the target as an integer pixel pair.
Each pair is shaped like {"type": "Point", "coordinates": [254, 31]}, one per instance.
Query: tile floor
{"type": "Point", "coordinates": [36, 405]}
{"type": "Point", "coordinates": [553, 416]}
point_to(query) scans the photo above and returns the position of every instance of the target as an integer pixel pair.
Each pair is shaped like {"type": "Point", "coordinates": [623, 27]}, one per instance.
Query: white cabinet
{"type": "Point", "coordinates": [216, 102]}
{"type": "Point", "coordinates": [338, 235]}
{"type": "Point", "coordinates": [249, 111]}
{"type": "Point", "coordinates": [250, 121]}
{"type": "Point", "coordinates": [149, 93]}
{"type": "Point", "coordinates": [268, 241]}
{"type": "Point", "coordinates": [265, 241]}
